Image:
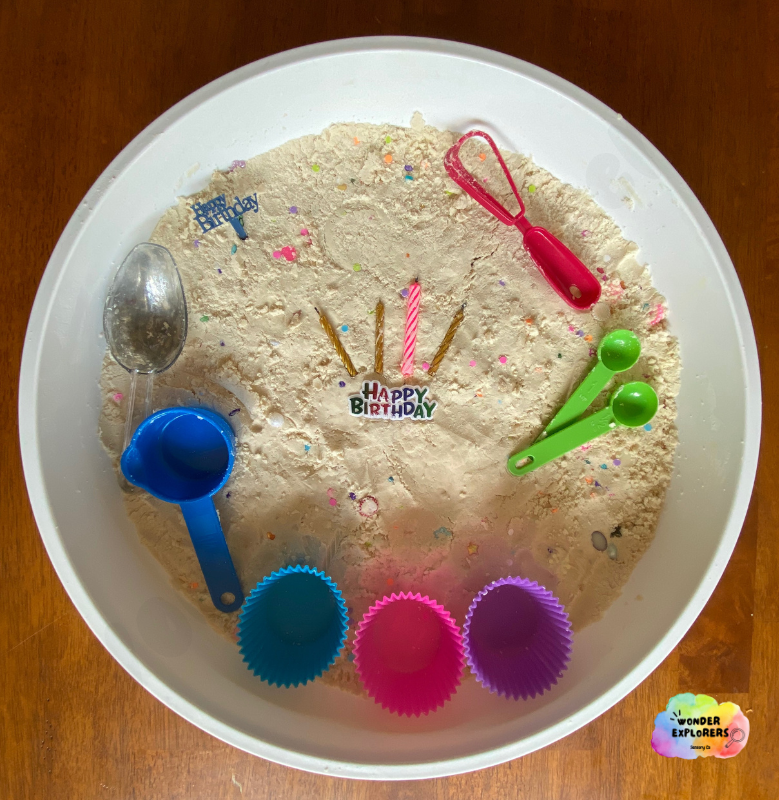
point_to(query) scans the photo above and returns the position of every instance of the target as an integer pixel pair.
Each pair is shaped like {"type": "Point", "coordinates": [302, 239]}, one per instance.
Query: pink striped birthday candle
{"type": "Point", "coordinates": [412, 320]}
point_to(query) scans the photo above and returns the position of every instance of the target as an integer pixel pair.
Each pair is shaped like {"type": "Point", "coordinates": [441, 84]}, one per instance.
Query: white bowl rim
{"type": "Point", "coordinates": [91, 614]}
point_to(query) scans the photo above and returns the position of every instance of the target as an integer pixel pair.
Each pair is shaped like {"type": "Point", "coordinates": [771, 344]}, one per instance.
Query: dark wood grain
{"type": "Point", "coordinates": [79, 79]}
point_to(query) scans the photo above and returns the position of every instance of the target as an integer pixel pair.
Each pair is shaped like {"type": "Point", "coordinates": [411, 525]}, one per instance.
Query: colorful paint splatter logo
{"type": "Point", "coordinates": [696, 726]}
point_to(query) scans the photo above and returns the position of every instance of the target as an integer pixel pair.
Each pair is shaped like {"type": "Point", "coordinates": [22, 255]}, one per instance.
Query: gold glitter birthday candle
{"type": "Point", "coordinates": [444, 346]}
{"type": "Point", "coordinates": [378, 359]}
{"type": "Point", "coordinates": [339, 348]}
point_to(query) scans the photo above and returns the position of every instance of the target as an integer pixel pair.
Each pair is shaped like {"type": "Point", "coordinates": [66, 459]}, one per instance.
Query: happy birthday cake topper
{"type": "Point", "coordinates": [380, 402]}
{"type": "Point", "coordinates": [215, 212]}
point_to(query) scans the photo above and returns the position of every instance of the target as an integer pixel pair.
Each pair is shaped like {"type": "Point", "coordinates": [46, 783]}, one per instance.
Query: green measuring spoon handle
{"type": "Point", "coordinates": [581, 399]}
{"type": "Point", "coordinates": [562, 442]}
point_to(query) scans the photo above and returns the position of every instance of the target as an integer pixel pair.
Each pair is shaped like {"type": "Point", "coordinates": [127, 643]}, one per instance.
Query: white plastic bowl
{"type": "Point", "coordinates": [126, 598]}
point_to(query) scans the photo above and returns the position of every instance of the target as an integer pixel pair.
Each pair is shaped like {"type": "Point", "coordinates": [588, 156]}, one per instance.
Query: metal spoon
{"type": "Point", "coordinates": [145, 319]}
{"type": "Point", "coordinates": [617, 352]}
{"type": "Point", "coordinates": [632, 405]}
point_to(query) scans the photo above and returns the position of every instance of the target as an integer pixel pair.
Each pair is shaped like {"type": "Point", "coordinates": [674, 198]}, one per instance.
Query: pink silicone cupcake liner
{"type": "Point", "coordinates": [408, 653]}
{"type": "Point", "coordinates": [517, 638]}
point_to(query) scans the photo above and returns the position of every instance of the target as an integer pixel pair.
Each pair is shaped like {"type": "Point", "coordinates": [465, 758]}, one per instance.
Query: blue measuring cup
{"type": "Point", "coordinates": [184, 456]}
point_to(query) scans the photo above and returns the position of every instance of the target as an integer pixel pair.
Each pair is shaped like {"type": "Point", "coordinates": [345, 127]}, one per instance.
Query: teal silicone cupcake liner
{"type": "Point", "coordinates": [293, 626]}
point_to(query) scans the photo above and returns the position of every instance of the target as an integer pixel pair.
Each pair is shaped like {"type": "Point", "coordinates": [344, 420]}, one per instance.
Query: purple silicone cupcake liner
{"type": "Point", "coordinates": [517, 638]}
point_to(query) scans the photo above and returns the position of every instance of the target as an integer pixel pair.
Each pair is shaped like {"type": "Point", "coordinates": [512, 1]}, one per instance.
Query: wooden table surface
{"type": "Point", "coordinates": [80, 78]}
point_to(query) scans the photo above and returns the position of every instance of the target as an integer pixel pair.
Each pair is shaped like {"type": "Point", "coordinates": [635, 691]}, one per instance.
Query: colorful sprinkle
{"type": "Point", "coordinates": [352, 496]}
{"type": "Point", "coordinates": [616, 462]}
{"type": "Point", "coordinates": [233, 412]}
{"type": "Point", "coordinates": [409, 177]}
{"type": "Point", "coordinates": [388, 158]}
{"type": "Point", "coordinates": [228, 494]}
{"type": "Point", "coordinates": [341, 187]}
{"type": "Point", "coordinates": [306, 447]}
{"type": "Point", "coordinates": [425, 366]}
{"type": "Point", "coordinates": [196, 243]}
{"type": "Point", "coordinates": [194, 585]}
{"type": "Point", "coordinates": [588, 338]}
{"type": "Point", "coordinates": [233, 249]}
{"type": "Point", "coordinates": [387, 139]}
{"type": "Point", "coordinates": [391, 479]}
{"type": "Point", "coordinates": [390, 581]}
{"type": "Point", "coordinates": [531, 189]}
{"type": "Point", "coordinates": [659, 315]}
{"type": "Point", "coordinates": [333, 501]}
{"type": "Point", "coordinates": [204, 318]}
{"type": "Point", "coordinates": [304, 231]}
{"type": "Point", "coordinates": [473, 549]}
{"type": "Point", "coordinates": [503, 359]}
{"type": "Point", "coordinates": [443, 533]}
{"type": "Point", "coordinates": [290, 253]}
{"type": "Point", "coordinates": [471, 363]}
{"type": "Point", "coordinates": [356, 267]}
{"type": "Point", "coordinates": [237, 164]}
{"type": "Point", "coordinates": [315, 167]}
{"type": "Point", "coordinates": [588, 479]}
{"type": "Point", "coordinates": [221, 344]}
{"type": "Point", "coordinates": [482, 156]}
{"type": "Point", "coordinates": [580, 332]}
{"type": "Point", "coordinates": [293, 209]}
{"type": "Point", "coordinates": [585, 233]}
{"type": "Point", "coordinates": [647, 427]}
{"type": "Point", "coordinates": [603, 466]}
{"type": "Point", "coordinates": [404, 292]}
{"type": "Point", "coordinates": [425, 165]}
{"type": "Point", "coordinates": [117, 397]}
{"type": "Point", "coordinates": [270, 535]}
{"type": "Point", "coordinates": [599, 541]}
{"type": "Point", "coordinates": [502, 283]}
{"type": "Point", "coordinates": [342, 384]}
{"type": "Point", "coordinates": [368, 507]}
{"type": "Point", "coordinates": [408, 168]}
{"type": "Point", "coordinates": [219, 270]}
{"type": "Point", "coordinates": [345, 328]}
{"type": "Point", "coordinates": [356, 140]}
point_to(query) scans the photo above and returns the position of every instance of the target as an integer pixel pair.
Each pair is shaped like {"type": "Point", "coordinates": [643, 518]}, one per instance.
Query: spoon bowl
{"type": "Point", "coordinates": [145, 319]}
{"type": "Point", "coordinates": [634, 404]}
{"type": "Point", "coordinates": [619, 350]}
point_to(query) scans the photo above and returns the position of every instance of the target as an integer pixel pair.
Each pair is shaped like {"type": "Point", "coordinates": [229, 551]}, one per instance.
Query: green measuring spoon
{"type": "Point", "coordinates": [617, 352]}
{"type": "Point", "coordinates": [632, 405]}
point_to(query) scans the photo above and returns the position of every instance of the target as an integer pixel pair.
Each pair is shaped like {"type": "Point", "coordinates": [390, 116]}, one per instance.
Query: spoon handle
{"type": "Point", "coordinates": [562, 442]}
{"type": "Point", "coordinates": [581, 399]}
{"type": "Point", "coordinates": [128, 422]}
{"type": "Point", "coordinates": [149, 395]}
{"type": "Point", "coordinates": [211, 550]}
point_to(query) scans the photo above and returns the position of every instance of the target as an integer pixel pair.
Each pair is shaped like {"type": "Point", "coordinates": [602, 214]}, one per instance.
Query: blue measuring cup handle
{"type": "Point", "coordinates": [205, 530]}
